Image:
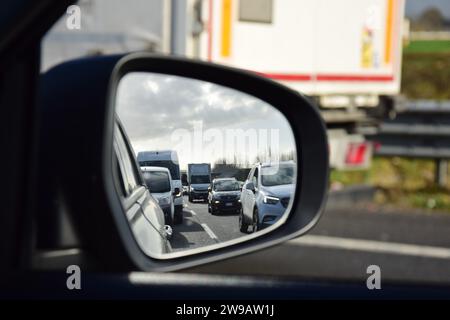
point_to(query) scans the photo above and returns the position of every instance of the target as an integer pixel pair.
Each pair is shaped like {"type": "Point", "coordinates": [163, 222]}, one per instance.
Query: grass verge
{"type": "Point", "coordinates": [405, 183]}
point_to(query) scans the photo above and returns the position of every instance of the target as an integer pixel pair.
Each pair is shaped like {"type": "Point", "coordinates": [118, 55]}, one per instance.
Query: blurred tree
{"type": "Point", "coordinates": [426, 76]}
{"type": "Point", "coordinates": [431, 19]}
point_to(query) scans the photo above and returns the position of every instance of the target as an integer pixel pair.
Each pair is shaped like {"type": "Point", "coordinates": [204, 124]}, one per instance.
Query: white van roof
{"type": "Point", "coordinates": [158, 155]}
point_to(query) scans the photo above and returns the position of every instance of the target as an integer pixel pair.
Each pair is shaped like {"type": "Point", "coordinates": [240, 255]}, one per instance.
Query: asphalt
{"type": "Point", "coordinates": [408, 245]}
{"type": "Point", "coordinates": [200, 228]}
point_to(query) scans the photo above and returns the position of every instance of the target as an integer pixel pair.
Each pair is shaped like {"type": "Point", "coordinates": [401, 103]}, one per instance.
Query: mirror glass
{"type": "Point", "coordinates": [219, 165]}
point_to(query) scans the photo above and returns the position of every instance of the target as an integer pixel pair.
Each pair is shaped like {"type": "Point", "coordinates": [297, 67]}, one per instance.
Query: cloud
{"type": "Point", "coordinates": [153, 105]}
{"type": "Point", "coordinates": [198, 119]}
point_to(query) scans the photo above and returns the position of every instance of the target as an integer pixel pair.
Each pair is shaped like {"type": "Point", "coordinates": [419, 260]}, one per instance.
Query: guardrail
{"type": "Point", "coordinates": [421, 129]}
{"type": "Point", "coordinates": [429, 35]}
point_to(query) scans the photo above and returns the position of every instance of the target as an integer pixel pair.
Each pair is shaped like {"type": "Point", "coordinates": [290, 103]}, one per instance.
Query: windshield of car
{"type": "Point", "coordinates": [173, 167]}
{"type": "Point", "coordinates": [284, 175]}
{"type": "Point", "coordinates": [157, 181]}
{"type": "Point", "coordinates": [226, 185]}
{"type": "Point", "coordinates": [200, 179]}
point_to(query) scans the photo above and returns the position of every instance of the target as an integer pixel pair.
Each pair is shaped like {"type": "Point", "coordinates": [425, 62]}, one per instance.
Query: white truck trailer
{"type": "Point", "coordinates": [344, 54]}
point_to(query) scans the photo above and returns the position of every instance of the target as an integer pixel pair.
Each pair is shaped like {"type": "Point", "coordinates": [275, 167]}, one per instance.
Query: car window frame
{"type": "Point", "coordinates": [256, 176]}
{"type": "Point", "coordinates": [249, 177]}
{"type": "Point", "coordinates": [119, 172]}
{"type": "Point", "coordinates": [125, 156]}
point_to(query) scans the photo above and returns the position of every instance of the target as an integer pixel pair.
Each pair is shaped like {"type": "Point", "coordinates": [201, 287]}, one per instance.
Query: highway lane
{"type": "Point", "coordinates": [224, 225]}
{"type": "Point", "coordinates": [191, 234]}
{"type": "Point", "coordinates": [201, 228]}
{"type": "Point", "coordinates": [408, 246]}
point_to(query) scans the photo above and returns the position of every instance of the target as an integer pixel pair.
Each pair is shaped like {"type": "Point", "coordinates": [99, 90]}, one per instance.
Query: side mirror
{"type": "Point", "coordinates": [168, 232]}
{"type": "Point", "coordinates": [113, 88]}
{"type": "Point", "coordinates": [176, 192]}
{"type": "Point", "coordinates": [250, 186]}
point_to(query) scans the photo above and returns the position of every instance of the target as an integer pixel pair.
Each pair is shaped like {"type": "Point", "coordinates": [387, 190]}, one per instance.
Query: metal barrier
{"type": "Point", "coordinates": [421, 129]}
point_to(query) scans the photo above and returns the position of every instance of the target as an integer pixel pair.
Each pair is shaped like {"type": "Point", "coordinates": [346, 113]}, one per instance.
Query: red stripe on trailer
{"type": "Point", "coordinates": [327, 77]}
{"type": "Point", "coordinates": [350, 77]}
{"type": "Point", "coordinates": [287, 77]}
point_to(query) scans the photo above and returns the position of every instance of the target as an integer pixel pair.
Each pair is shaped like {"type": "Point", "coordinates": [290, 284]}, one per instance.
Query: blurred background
{"type": "Point", "coordinates": [425, 75]}
{"type": "Point", "coordinates": [378, 70]}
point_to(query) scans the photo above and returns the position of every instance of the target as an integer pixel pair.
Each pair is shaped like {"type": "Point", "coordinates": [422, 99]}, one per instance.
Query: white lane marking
{"type": "Point", "coordinates": [373, 246]}
{"type": "Point", "coordinates": [209, 232]}
{"type": "Point", "coordinates": [207, 229]}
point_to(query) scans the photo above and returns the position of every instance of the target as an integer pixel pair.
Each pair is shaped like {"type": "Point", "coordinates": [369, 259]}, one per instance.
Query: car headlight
{"type": "Point", "coordinates": [163, 201]}
{"type": "Point", "coordinates": [192, 189]}
{"type": "Point", "coordinates": [271, 200]}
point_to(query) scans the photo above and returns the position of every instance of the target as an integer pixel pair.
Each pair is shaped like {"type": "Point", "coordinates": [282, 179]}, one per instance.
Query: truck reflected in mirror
{"type": "Point", "coordinates": [220, 164]}
{"type": "Point", "coordinates": [199, 179]}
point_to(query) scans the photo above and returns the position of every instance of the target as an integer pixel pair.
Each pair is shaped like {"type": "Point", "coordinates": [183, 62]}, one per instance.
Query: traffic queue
{"type": "Point", "coordinates": [260, 200]}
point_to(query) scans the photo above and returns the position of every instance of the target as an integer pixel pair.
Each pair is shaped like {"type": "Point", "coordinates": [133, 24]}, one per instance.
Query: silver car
{"type": "Point", "coordinates": [266, 194]}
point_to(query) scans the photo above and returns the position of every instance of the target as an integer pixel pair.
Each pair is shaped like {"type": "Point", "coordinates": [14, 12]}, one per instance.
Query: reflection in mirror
{"type": "Point", "coordinates": [218, 164]}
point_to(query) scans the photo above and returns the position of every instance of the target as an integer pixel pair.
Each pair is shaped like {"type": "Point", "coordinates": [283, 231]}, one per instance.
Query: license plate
{"type": "Point", "coordinates": [228, 204]}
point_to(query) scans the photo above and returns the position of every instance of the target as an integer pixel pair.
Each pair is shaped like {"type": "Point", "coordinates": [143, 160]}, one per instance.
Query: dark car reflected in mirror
{"type": "Point", "coordinates": [220, 164]}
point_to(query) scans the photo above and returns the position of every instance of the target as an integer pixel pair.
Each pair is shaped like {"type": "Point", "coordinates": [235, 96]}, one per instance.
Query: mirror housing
{"type": "Point", "coordinates": [98, 223]}
{"type": "Point", "coordinates": [176, 192]}
{"type": "Point", "coordinates": [250, 186]}
{"type": "Point", "coordinates": [168, 232]}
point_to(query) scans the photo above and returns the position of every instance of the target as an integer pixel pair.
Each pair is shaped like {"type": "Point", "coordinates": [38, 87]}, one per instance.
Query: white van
{"type": "Point", "coordinates": [159, 183]}
{"type": "Point", "coordinates": [167, 159]}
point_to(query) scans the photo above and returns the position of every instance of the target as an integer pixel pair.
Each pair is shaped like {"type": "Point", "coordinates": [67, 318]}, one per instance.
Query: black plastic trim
{"type": "Point", "coordinates": [309, 132]}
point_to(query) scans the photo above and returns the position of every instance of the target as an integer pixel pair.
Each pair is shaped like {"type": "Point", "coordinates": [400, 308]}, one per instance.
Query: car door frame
{"type": "Point", "coordinates": [20, 38]}
{"type": "Point", "coordinates": [142, 198]}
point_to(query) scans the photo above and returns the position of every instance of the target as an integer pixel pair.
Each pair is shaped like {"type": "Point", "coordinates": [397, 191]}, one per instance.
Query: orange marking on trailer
{"type": "Point", "coordinates": [226, 28]}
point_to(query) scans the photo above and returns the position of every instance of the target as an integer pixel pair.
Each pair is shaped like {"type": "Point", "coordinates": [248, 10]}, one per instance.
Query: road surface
{"type": "Point", "coordinates": [408, 246]}
{"type": "Point", "coordinates": [200, 228]}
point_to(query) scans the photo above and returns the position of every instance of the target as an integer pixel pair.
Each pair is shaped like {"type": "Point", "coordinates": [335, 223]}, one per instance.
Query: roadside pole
{"type": "Point", "coordinates": [441, 172]}
{"type": "Point", "coordinates": [178, 27]}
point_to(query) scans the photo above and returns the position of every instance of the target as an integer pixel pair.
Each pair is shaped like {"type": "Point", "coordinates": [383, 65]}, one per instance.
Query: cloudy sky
{"type": "Point", "coordinates": [202, 121]}
{"type": "Point", "coordinates": [415, 7]}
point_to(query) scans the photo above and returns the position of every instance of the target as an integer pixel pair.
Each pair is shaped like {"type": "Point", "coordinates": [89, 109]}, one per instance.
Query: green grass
{"type": "Point", "coordinates": [409, 183]}
{"type": "Point", "coordinates": [396, 173]}
{"type": "Point", "coordinates": [427, 46]}
{"type": "Point", "coordinates": [426, 75]}
{"type": "Point", "coordinates": [405, 183]}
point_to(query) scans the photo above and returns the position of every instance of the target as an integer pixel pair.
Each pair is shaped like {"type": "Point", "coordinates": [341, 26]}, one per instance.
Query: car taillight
{"type": "Point", "coordinates": [356, 153]}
